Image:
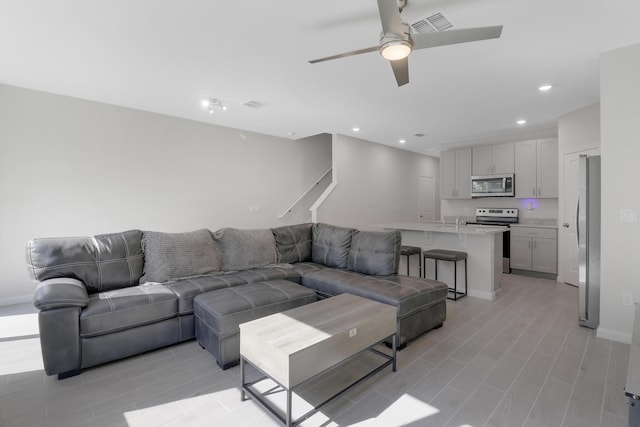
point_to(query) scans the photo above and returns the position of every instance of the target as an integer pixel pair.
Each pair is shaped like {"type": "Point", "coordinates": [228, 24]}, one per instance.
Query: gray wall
{"type": "Point", "coordinates": [620, 132]}
{"type": "Point", "coordinates": [376, 183]}
{"type": "Point", "coordinates": [74, 167]}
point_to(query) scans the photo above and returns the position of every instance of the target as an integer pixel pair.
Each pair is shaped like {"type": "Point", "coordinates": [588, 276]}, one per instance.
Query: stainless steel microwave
{"type": "Point", "coordinates": [493, 186]}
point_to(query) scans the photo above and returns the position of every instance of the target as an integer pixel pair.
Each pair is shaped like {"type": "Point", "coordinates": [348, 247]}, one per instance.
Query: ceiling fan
{"type": "Point", "coordinates": [397, 42]}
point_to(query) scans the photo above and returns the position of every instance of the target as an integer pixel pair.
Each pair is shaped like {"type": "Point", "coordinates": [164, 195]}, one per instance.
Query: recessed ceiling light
{"type": "Point", "coordinates": [521, 122]}
{"type": "Point", "coordinates": [402, 141]}
{"type": "Point", "coordinates": [355, 129]}
{"type": "Point", "coordinates": [544, 88]}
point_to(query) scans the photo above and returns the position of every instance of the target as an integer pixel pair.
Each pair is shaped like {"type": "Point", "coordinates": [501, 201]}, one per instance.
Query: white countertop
{"type": "Point", "coordinates": [437, 227]}
{"type": "Point", "coordinates": [535, 225]}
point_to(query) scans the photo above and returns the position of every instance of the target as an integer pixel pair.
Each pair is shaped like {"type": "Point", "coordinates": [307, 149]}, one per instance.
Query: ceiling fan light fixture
{"type": "Point", "coordinates": [395, 49]}
{"type": "Point", "coordinates": [213, 104]}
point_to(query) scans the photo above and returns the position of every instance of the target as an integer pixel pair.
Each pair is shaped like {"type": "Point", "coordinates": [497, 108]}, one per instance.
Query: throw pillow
{"type": "Point", "coordinates": [175, 255]}
{"type": "Point", "coordinates": [293, 243]}
{"type": "Point", "coordinates": [330, 245]}
{"type": "Point", "coordinates": [375, 252]}
{"type": "Point", "coordinates": [245, 249]}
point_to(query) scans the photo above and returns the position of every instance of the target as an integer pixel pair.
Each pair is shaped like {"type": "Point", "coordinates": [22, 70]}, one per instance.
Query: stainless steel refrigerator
{"type": "Point", "coordinates": [588, 231]}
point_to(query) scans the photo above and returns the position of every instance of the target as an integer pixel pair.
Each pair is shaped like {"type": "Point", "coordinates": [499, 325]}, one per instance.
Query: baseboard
{"type": "Point", "coordinates": [536, 274]}
{"type": "Point", "coordinates": [21, 299]}
{"type": "Point", "coordinates": [612, 335]}
{"type": "Point", "coordinates": [491, 296]}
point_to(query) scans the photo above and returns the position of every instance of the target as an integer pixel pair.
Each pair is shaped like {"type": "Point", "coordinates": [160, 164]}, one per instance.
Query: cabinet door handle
{"type": "Point", "coordinates": [534, 191]}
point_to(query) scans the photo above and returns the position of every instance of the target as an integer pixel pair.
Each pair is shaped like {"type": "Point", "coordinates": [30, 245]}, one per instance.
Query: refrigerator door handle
{"type": "Point", "coordinates": [578, 222]}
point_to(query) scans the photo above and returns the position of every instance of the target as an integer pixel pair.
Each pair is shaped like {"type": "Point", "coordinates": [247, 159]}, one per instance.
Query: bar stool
{"type": "Point", "coordinates": [452, 256]}
{"type": "Point", "coordinates": [412, 250]}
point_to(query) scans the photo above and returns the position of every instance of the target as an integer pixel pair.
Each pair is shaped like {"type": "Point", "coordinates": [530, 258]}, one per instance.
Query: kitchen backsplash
{"type": "Point", "coordinates": [528, 209]}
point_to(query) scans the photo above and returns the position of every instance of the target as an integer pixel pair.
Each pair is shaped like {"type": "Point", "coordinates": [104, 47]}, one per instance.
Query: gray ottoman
{"type": "Point", "coordinates": [218, 313]}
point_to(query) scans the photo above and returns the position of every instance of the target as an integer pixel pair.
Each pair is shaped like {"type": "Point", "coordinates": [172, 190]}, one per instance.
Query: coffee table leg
{"type": "Point", "coordinates": [394, 346]}
{"type": "Point", "coordinates": [242, 395]}
{"type": "Point", "coordinates": [288, 408]}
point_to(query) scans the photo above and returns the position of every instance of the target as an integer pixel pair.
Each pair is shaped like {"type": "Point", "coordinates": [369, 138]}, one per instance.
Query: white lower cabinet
{"type": "Point", "coordinates": [534, 249]}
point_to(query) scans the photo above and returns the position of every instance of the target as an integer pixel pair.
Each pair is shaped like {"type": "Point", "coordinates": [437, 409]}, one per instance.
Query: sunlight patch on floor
{"type": "Point", "coordinates": [18, 325]}
{"type": "Point", "coordinates": [21, 355]}
{"type": "Point", "coordinates": [407, 410]}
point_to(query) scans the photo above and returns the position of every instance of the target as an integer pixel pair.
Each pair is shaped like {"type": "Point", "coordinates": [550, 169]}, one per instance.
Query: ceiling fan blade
{"type": "Point", "coordinates": [390, 17]}
{"type": "Point", "coordinates": [401, 70]}
{"type": "Point", "coordinates": [422, 41]}
{"type": "Point", "coordinates": [344, 55]}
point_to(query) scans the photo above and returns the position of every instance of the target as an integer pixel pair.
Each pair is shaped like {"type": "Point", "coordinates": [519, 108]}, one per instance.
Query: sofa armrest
{"type": "Point", "coordinates": [59, 293]}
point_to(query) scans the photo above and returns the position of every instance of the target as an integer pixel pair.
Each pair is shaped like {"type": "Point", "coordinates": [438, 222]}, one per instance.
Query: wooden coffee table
{"type": "Point", "coordinates": [301, 344]}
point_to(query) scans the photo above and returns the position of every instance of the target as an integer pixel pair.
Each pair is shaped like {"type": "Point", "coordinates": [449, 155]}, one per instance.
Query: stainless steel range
{"type": "Point", "coordinates": [503, 217]}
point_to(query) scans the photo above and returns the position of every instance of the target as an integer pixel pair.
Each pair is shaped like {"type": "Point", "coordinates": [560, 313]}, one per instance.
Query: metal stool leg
{"type": "Point", "coordinates": [465, 276]}
{"type": "Point", "coordinates": [455, 280]}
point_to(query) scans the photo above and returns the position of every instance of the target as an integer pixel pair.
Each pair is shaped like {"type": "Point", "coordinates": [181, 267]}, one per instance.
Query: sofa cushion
{"type": "Point", "coordinates": [293, 243]}
{"type": "Point", "coordinates": [245, 249]}
{"type": "Point", "coordinates": [121, 309]}
{"type": "Point", "coordinates": [102, 262]}
{"type": "Point", "coordinates": [330, 245]}
{"type": "Point", "coordinates": [187, 289]}
{"type": "Point", "coordinates": [174, 255]}
{"type": "Point", "coordinates": [225, 309]}
{"type": "Point", "coordinates": [409, 294]}
{"type": "Point", "coordinates": [375, 252]}
{"type": "Point", "coordinates": [273, 272]}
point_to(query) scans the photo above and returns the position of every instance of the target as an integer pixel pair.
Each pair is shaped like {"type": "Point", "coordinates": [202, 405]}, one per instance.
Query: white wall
{"type": "Point", "coordinates": [74, 167]}
{"type": "Point", "coordinates": [376, 184]}
{"type": "Point", "coordinates": [620, 131]}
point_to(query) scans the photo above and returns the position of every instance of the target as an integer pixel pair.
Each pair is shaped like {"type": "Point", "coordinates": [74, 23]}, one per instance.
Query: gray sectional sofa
{"type": "Point", "coordinates": [105, 297]}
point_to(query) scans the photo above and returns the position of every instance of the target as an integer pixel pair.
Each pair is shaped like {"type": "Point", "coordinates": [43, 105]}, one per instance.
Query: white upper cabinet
{"type": "Point", "coordinates": [493, 159]}
{"type": "Point", "coordinates": [547, 168]}
{"type": "Point", "coordinates": [455, 174]}
{"type": "Point", "coordinates": [536, 168]}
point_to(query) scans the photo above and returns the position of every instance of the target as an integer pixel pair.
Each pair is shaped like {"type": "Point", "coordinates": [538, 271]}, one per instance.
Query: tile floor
{"type": "Point", "coordinates": [521, 360]}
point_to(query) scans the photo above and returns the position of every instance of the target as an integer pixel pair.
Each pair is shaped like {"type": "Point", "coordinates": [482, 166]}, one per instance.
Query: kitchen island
{"type": "Point", "coordinates": [483, 244]}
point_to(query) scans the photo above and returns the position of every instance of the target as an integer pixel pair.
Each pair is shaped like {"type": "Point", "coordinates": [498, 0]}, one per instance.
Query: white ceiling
{"type": "Point", "coordinates": [165, 56]}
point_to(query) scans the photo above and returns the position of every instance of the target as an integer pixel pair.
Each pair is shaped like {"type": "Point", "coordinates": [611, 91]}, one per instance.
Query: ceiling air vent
{"type": "Point", "coordinates": [433, 23]}
{"type": "Point", "coordinates": [253, 104]}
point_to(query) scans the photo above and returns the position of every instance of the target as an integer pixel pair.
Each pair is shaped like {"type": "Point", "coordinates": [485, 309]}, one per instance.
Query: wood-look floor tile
{"type": "Point", "coordinates": [505, 372]}
{"type": "Point", "coordinates": [536, 369]}
{"type": "Point", "coordinates": [586, 401]}
{"type": "Point", "coordinates": [428, 387]}
{"type": "Point", "coordinates": [551, 405]}
{"type": "Point", "coordinates": [478, 407]}
{"type": "Point", "coordinates": [565, 367]}
{"type": "Point", "coordinates": [514, 407]}
{"type": "Point", "coordinates": [596, 358]}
